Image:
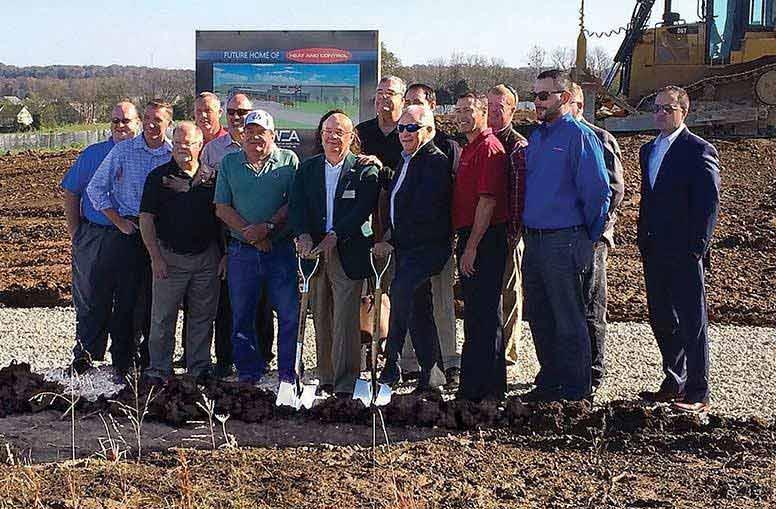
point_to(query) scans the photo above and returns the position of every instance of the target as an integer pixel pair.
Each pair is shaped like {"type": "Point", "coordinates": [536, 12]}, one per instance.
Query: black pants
{"type": "Point", "coordinates": [676, 299]}
{"type": "Point", "coordinates": [265, 328]}
{"type": "Point", "coordinates": [108, 274]}
{"type": "Point", "coordinates": [412, 309]}
{"type": "Point", "coordinates": [595, 288]}
{"type": "Point", "coordinates": [483, 362]}
{"type": "Point", "coordinates": [555, 266]}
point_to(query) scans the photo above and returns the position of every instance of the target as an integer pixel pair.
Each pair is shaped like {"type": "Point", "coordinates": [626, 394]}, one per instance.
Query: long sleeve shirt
{"type": "Point", "coordinates": [566, 179]}
{"type": "Point", "coordinates": [119, 180]}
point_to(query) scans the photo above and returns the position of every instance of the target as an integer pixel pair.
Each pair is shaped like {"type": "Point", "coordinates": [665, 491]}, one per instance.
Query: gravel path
{"type": "Point", "coordinates": [743, 358]}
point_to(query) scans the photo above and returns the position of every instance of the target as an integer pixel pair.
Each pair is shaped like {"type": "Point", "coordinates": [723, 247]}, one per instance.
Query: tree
{"type": "Point", "coordinates": [563, 58]}
{"type": "Point", "coordinates": [599, 61]}
{"type": "Point", "coordinates": [535, 58]}
{"type": "Point", "coordinates": [390, 65]}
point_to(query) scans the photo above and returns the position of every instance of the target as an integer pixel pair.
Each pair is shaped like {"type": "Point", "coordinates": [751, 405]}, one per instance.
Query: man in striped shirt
{"type": "Point", "coordinates": [116, 190]}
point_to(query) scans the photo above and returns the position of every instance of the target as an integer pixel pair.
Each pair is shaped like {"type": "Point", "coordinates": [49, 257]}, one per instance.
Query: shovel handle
{"type": "Point", "coordinates": [305, 285]}
{"type": "Point", "coordinates": [378, 274]}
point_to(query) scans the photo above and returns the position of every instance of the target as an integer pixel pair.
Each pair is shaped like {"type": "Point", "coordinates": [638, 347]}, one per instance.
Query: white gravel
{"type": "Point", "coordinates": [743, 359]}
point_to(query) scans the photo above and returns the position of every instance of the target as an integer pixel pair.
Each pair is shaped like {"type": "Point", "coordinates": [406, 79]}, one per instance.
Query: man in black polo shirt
{"type": "Point", "coordinates": [181, 232]}
{"type": "Point", "coordinates": [379, 136]}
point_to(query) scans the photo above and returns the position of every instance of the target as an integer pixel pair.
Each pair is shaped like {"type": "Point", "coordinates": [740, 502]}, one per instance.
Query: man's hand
{"type": "Point", "coordinates": [222, 268]}
{"type": "Point", "coordinates": [467, 262]}
{"type": "Point", "coordinates": [382, 249]}
{"type": "Point", "coordinates": [177, 184]}
{"type": "Point", "coordinates": [365, 160]}
{"type": "Point", "coordinates": [255, 232]}
{"type": "Point", "coordinates": [328, 243]}
{"type": "Point", "coordinates": [304, 244]}
{"type": "Point", "coordinates": [126, 226]}
{"type": "Point", "coordinates": [265, 246]}
{"type": "Point", "coordinates": [159, 267]}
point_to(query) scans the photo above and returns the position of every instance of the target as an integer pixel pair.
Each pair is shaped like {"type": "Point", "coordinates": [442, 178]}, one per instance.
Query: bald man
{"type": "Point", "coordinates": [181, 233]}
{"type": "Point", "coordinates": [331, 202]}
{"type": "Point", "coordinates": [94, 277]}
{"type": "Point", "coordinates": [502, 102]}
{"type": "Point", "coordinates": [420, 197]}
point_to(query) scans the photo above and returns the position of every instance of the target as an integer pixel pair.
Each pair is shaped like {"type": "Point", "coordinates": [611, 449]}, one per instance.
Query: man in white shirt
{"type": "Point", "coordinates": [677, 215]}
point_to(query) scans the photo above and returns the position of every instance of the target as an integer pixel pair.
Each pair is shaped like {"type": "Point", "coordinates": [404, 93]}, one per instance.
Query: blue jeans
{"type": "Point", "coordinates": [555, 267]}
{"type": "Point", "coordinates": [249, 271]}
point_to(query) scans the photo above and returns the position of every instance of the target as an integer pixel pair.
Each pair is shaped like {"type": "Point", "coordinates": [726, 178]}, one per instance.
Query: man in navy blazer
{"type": "Point", "coordinates": [677, 216]}
{"type": "Point", "coordinates": [420, 197]}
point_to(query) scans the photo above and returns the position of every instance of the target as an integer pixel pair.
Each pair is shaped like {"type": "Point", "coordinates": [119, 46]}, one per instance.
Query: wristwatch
{"type": "Point", "coordinates": [270, 226]}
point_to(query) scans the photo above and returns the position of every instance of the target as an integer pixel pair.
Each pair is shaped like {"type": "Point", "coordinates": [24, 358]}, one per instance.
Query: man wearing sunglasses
{"type": "Point", "coordinates": [419, 205]}
{"type": "Point", "coordinates": [479, 217]}
{"type": "Point", "coordinates": [677, 215]}
{"type": "Point", "coordinates": [566, 202]}
{"type": "Point", "coordinates": [93, 292]}
{"type": "Point", "coordinates": [596, 285]}
{"type": "Point", "coordinates": [116, 189]}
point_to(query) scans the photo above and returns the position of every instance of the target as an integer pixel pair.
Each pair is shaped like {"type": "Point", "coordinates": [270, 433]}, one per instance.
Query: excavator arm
{"type": "Point", "coordinates": [622, 60]}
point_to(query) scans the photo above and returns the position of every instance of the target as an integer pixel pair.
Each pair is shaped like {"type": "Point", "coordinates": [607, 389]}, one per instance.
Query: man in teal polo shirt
{"type": "Point", "coordinates": [251, 197]}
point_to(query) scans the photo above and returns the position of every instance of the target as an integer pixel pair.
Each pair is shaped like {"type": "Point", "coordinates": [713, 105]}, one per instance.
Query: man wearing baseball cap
{"type": "Point", "coordinates": [251, 197]}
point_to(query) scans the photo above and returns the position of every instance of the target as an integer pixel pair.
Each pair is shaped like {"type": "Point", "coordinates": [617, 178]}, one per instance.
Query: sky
{"type": "Point", "coordinates": [161, 33]}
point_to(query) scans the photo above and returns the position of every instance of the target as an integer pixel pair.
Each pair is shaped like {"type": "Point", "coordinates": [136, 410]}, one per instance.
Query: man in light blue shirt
{"type": "Point", "coordinates": [566, 203]}
{"type": "Point", "coordinates": [115, 190]}
{"type": "Point", "coordinates": [93, 269]}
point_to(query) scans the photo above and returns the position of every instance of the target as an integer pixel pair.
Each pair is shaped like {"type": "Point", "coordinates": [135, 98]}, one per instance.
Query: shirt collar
{"type": "Point", "coordinates": [671, 137]}
{"type": "Point", "coordinates": [407, 156]}
{"type": "Point", "coordinates": [548, 128]}
{"type": "Point", "coordinates": [140, 142]}
{"type": "Point", "coordinates": [481, 137]}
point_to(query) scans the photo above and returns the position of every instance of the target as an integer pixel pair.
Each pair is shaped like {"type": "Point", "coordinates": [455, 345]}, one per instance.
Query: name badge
{"type": "Point", "coordinates": [349, 194]}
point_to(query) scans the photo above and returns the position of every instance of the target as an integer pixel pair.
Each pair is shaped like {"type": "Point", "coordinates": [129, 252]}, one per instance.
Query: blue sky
{"type": "Point", "coordinates": [162, 32]}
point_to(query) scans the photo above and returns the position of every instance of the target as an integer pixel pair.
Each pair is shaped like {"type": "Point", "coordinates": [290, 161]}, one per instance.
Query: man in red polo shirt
{"type": "Point", "coordinates": [480, 217]}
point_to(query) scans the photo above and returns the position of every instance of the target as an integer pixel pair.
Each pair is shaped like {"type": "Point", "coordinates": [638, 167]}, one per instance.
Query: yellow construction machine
{"type": "Point", "coordinates": [726, 62]}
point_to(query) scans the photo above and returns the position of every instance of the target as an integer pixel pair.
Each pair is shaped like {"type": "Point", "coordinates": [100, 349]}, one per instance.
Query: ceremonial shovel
{"type": "Point", "coordinates": [297, 394]}
{"type": "Point", "coordinates": [370, 392]}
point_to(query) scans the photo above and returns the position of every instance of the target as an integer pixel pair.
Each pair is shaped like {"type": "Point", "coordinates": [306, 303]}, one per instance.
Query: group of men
{"type": "Point", "coordinates": [216, 220]}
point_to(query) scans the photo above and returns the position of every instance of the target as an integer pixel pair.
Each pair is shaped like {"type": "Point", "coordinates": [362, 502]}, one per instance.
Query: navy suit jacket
{"type": "Point", "coordinates": [677, 217]}
{"type": "Point", "coordinates": [422, 225]}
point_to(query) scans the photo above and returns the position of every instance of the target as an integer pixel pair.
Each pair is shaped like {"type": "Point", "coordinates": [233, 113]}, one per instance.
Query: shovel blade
{"type": "Point", "coordinates": [307, 398]}
{"type": "Point", "coordinates": [363, 391]}
{"type": "Point", "coordinates": [384, 393]}
{"type": "Point", "coordinates": [287, 396]}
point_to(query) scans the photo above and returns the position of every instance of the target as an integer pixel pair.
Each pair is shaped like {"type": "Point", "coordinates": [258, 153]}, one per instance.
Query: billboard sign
{"type": "Point", "coordinates": [296, 76]}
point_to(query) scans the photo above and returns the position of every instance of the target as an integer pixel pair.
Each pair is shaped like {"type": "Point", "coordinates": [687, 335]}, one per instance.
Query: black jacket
{"type": "Point", "coordinates": [677, 217]}
{"type": "Point", "coordinates": [354, 201]}
{"type": "Point", "coordinates": [422, 207]}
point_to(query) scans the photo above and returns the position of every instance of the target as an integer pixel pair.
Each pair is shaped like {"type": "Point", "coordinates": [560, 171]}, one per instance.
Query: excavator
{"type": "Point", "coordinates": [726, 61]}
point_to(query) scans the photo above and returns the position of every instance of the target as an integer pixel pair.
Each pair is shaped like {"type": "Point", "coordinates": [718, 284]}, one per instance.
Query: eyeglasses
{"type": "Point", "coordinates": [337, 133]}
{"type": "Point", "coordinates": [544, 95]}
{"type": "Point", "coordinates": [237, 111]}
{"type": "Point", "coordinates": [665, 108]}
{"type": "Point", "coordinates": [122, 121]}
{"type": "Point", "coordinates": [410, 128]}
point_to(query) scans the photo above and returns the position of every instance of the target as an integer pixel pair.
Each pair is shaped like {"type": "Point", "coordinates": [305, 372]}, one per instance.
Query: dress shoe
{"type": "Point", "coordinates": [80, 366]}
{"type": "Point", "coordinates": [661, 396]}
{"type": "Point", "coordinates": [324, 390]}
{"type": "Point", "coordinates": [427, 390]}
{"type": "Point", "coordinates": [223, 371]}
{"type": "Point", "coordinates": [391, 375]}
{"type": "Point", "coordinates": [698, 407]}
{"type": "Point", "coordinates": [540, 395]}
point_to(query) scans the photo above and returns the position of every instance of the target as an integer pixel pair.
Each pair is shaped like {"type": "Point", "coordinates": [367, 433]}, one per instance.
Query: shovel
{"type": "Point", "coordinates": [370, 392]}
{"type": "Point", "coordinates": [297, 394]}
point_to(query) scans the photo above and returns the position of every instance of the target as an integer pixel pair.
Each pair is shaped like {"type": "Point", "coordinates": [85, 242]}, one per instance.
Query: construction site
{"type": "Point", "coordinates": [71, 442]}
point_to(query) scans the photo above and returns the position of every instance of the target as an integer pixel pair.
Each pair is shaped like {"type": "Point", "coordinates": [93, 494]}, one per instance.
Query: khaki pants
{"type": "Point", "coordinates": [335, 303]}
{"type": "Point", "coordinates": [444, 318]}
{"type": "Point", "coordinates": [194, 277]}
{"type": "Point", "coordinates": [512, 302]}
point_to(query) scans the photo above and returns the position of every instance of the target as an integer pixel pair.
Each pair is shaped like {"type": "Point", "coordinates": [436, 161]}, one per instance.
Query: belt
{"type": "Point", "coordinates": [550, 231]}
{"type": "Point", "coordinates": [98, 225]}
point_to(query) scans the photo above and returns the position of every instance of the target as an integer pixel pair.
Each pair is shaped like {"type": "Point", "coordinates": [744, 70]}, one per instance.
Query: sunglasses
{"type": "Point", "coordinates": [237, 111]}
{"type": "Point", "coordinates": [410, 128]}
{"type": "Point", "coordinates": [544, 95]}
{"type": "Point", "coordinates": [665, 108]}
{"type": "Point", "coordinates": [122, 121]}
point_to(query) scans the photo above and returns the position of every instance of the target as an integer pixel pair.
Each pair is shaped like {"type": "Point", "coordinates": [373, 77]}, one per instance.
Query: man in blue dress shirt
{"type": "Point", "coordinates": [566, 202]}
{"type": "Point", "coordinates": [89, 232]}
